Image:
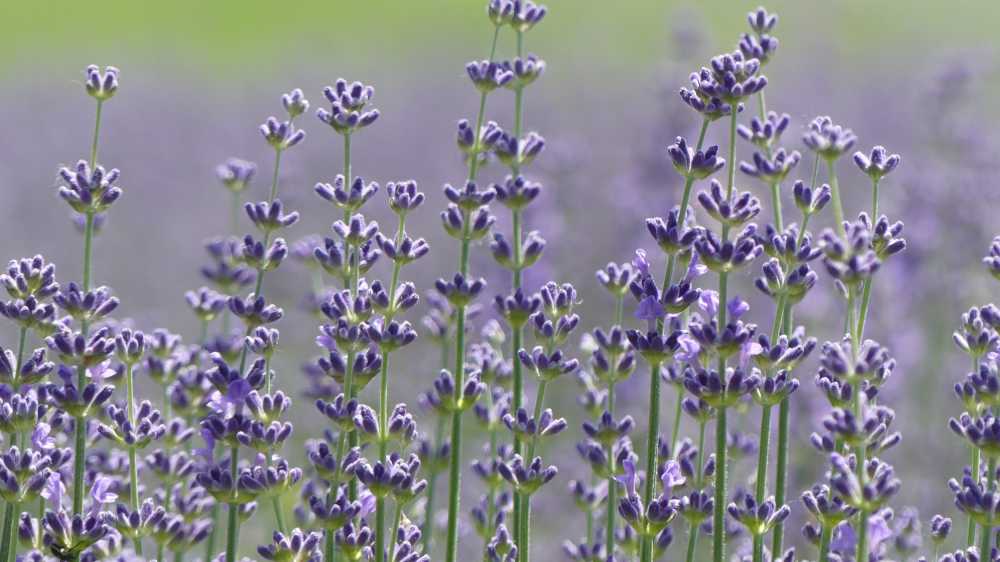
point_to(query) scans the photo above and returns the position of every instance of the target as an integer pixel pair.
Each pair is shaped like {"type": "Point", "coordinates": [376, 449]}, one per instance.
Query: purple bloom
{"type": "Point", "coordinates": [649, 309]}
{"type": "Point", "coordinates": [630, 479]}
{"type": "Point", "coordinates": [689, 349]}
{"type": "Point", "coordinates": [748, 351]}
{"type": "Point", "coordinates": [695, 268]}
{"type": "Point", "coordinates": [208, 451]}
{"type": "Point", "coordinates": [709, 303]}
{"type": "Point", "coordinates": [640, 263]}
{"type": "Point", "coordinates": [101, 372]}
{"type": "Point", "coordinates": [233, 400]}
{"type": "Point", "coordinates": [672, 476]}
{"type": "Point", "coordinates": [41, 440]}
{"type": "Point", "coordinates": [54, 491]}
{"type": "Point", "coordinates": [101, 493]}
{"type": "Point", "coordinates": [878, 164]}
{"type": "Point", "coordinates": [737, 307]}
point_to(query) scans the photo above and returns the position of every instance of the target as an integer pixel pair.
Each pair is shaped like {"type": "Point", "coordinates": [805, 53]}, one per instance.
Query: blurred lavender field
{"type": "Point", "coordinates": [608, 107]}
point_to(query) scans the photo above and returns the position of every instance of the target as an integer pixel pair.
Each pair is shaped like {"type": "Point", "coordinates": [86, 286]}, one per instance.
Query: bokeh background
{"type": "Point", "coordinates": [198, 77]}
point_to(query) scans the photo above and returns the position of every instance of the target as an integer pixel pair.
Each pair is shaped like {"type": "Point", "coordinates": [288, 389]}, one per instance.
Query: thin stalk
{"type": "Point", "coordinates": [874, 200]}
{"type": "Point", "coordinates": [675, 431]}
{"type": "Point", "coordinates": [866, 292]}
{"type": "Point", "coordinates": [824, 543]}
{"type": "Point", "coordinates": [428, 529]}
{"type": "Point", "coordinates": [383, 403]}
{"type": "Point", "coordinates": [776, 206]}
{"type": "Point", "coordinates": [652, 434]}
{"type": "Point", "coordinates": [976, 470]}
{"type": "Point", "coordinates": [685, 201]}
{"type": "Point", "coordinates": [762, 457]}
{"type": "Point", "coordinates": [210, 541]}
{"type": "Point", "coordinates": [590, 520]}
{"type": "Point", "coordinates": [719, 517]}
{"type": "Point", "coordinates": [380, 529]}
{"type": "Point", "coordinates": [758, 547]}
{"type": "Point", "coordinates": [329, 552]}
{"type": "Point", "coordinates": [764, 452]}
{"type": "Point", "coordinates": [838, 207]}
{"type": "Point", "coordinates": [454, 472]}
{"type": "Point", "coordinates": [491, 489]}
{"type": "Point", "coordinates": [97, 134]}
{"type": "Point", "coordinates": [523, 549]}
{"type": "Point", "coordinates": [8, 526]}
{"type": "Point", "coordinates": [692, 546]}
{"type": "Point", "coordinates": [781, 474]}
{"type": "Point", "coordinates": [611, 506]}
{"type": "Point", "coordinates": [233, 529]}
{"type": "Point", "coordinates": [395, 525]}
{"type": "Point", "coordinates": [692, 542]}
{"type": "Point", "coordinates": [862, 547]}
{"type": "Point", "coordinates": [80, 439]}
{"type": "Point", "coordinates": [987, 531]}
{"type": "Point", "coordinates": [133, 472]}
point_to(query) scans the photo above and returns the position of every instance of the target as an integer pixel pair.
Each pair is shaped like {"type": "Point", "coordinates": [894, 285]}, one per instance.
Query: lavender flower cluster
{"type": "Point", "coordinates": [90, 471]}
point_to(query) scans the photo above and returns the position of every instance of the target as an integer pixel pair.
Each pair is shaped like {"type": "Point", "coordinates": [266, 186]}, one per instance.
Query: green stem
{"type": "Point", "coordinates": [6, 543]}
{"type": "Point", "coordinates": [380, 529]}
{"type": "Point", "coordinates": [330, 552]}
{"type": "Point", "coordinates": [866, 293]}
{"type": "Point", "coordinates": [210, 541]}
{"type": "Point", "coordinates": [233, 529]}
{"type": "Point", "coordinates": [719, 517]}
{"type": "Point", "coordinates": [652, 434]}
{"type": "Point", "coordinates": [987, 531]}
{"type": "Point", "coordinates": [80, 439]}
{"type": "Point", "coordinates": [454, 472]}
{"type": "Point", "coordinates": [428, 530]}
{"type": "Point", "coordinates": [685, 201]}
{"type": "Point", "coordinates": [611, 506]}
{"type": "Point", "coordinates": [699, 476]}
{"type": "Point", "coordinates": [874, 200]}
{"type": "Point", "coordinates": [776, 206]}
{"type": "Point", "coordinates": [762, 456]}
{"type": "Point", "coordinates": [524, 547]}
{"type": "Point", "coordinates": [675, 432]}
{"type": "Point", "coordinates": [976, 471]}
{"type": "Point", "coordinates": [781, 475]}
{"type": "Point", "coordinates": [861, 554]}
{"type": "Point", "coordinates": [397, 516]}
{"type": "Point", "coordinates": [692, 542]}
{"type": "Point", "coordinates": [428, 527]}
{"type": "Point", "coordinates": [133, 472]}
{"type": "Point", "coordinates": [758, 547]}
{"type": "Point", "coordinates": [824, 543]}
{"type": "Point", "coordinates": [838, 207]}
{"type": "Point", "coordinates": [97, 134]}
{"type": "Point", "coordinates": [523, 551]}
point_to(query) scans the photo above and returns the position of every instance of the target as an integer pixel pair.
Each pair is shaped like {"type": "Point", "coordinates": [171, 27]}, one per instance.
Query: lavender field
{"type": "Point", "coordinates": [501, 281]}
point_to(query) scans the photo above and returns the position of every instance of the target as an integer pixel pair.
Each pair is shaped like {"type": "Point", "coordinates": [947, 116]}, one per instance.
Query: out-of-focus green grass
{"type": "Point", "coordinates": [243, 36]}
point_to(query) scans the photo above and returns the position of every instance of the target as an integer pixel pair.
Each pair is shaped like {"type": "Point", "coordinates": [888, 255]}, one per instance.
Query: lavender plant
{"type": "Point", "coordinates": [92, 471]}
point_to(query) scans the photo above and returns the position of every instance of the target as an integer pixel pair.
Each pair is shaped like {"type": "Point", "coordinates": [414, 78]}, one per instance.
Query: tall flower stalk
{"type": "Point", "coordinates": [467, 218]}
{"type": "Point", "coordinates": [262, 256]}
{"type": "Point", "coordinates": [353, 359]}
